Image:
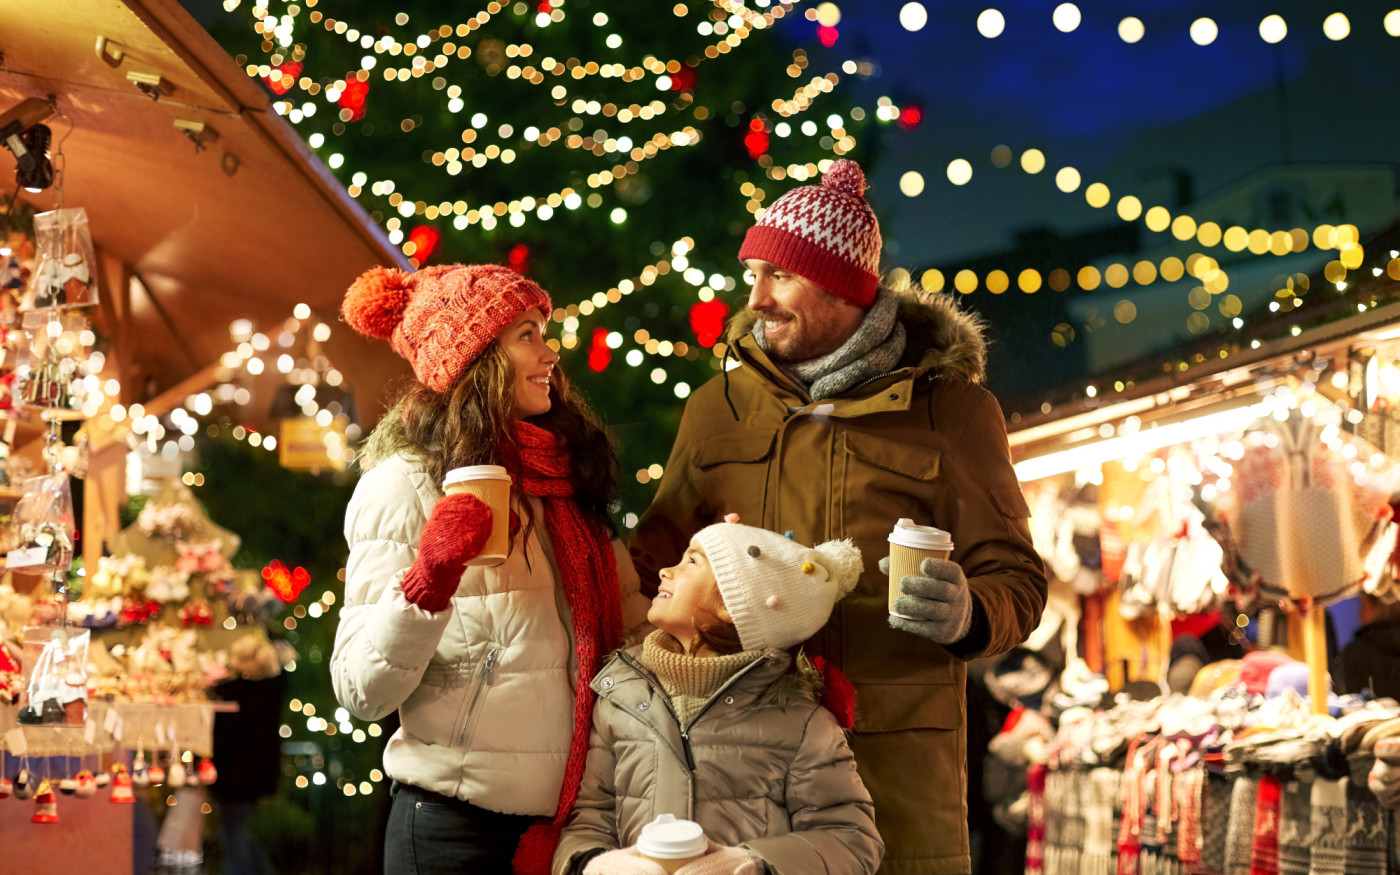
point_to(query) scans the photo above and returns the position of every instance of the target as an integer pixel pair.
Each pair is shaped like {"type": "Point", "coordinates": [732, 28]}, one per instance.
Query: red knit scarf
{"type": "Point", "coordinates": [588, 568]}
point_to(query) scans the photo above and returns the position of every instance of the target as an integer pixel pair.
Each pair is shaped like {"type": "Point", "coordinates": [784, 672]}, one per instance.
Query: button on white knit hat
{"type": "Point", "coordinates": [778, 592]}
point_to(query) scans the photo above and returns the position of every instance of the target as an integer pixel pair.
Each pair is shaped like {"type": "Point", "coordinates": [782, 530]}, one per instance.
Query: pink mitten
{"type": "Point", "coordinates": [722, 860]}
{"type": "Point", "coordinates": [623, 861]}
{"type": "Point", "coordinates": [454, 534]}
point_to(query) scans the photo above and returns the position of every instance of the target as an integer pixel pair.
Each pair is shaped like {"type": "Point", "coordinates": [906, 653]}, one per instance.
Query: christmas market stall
{"type": "Point", "coordinates": [1214, 537]}
{"type": "Point", "coordinates": [155, 191]}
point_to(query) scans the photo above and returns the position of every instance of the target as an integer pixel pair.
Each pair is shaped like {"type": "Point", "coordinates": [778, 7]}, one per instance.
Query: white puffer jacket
{"type": "Point", "coordinates": [484, 689]}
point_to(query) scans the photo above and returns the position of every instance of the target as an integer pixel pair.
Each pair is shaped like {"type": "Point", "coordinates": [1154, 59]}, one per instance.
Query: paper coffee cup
{"type": "Point", "coordinates": [910, 545]}
{"type": "Point", "coordinates": [671, 843]}
{"type": "Point", "coordinates": [491, 484]}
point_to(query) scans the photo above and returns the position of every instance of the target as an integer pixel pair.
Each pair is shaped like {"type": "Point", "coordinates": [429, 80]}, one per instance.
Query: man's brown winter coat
{"type": "Point", "coordinates": [926, 442]}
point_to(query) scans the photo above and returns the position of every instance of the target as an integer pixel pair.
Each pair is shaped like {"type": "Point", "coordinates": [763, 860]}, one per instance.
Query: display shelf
{"type": "Point", "coordinates": [112, 726]}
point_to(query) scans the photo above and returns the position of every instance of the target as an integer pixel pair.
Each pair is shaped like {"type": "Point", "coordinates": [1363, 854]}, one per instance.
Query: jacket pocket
{"type": "Point", "coordinates": [752, 445]}
{"type": "Point", "coordinates": [469, 716]}
{"type": "Point", "coordinates": [886, 479]}
{"type": "Point", "coordinates": [895, 707]}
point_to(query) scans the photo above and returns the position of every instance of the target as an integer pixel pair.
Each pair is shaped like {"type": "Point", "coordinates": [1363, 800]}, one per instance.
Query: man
{"type": "Point", "coordinates": [850, 409]}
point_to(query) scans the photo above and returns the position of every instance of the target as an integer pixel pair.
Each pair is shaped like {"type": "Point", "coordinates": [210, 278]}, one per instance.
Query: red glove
{"type": "Point", "coordinates": [455, 532]}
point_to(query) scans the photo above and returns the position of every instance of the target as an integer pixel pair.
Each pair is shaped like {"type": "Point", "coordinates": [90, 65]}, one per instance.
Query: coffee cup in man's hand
{"type": "Point", "coordinates": [935, 603]}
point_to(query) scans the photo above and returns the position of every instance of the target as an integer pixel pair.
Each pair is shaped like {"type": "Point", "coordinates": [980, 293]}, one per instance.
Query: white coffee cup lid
{"type": "Point", "coordinates": [907, 533]}
{"type": "Point", "coordinates": [667, 838]}
{"type": "Point", "coordinates": [475, 472]}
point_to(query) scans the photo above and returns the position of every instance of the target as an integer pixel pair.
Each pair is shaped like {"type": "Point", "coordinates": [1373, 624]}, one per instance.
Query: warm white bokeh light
{"type": "Point", "coordinates": [1273, 29]}
{"type": "Point", "coordinates": [1131, 29]}
{"type": "Point", "coordinates": [1066, 17]}
{"type": "Point", "coordinates": [990, 23]}
{"type": "Point", "coordinates": [1392, 22]}
{"type": "Point", "coordinates": [1067, 179]}
{"type": "Point", "coordinates": [913, 16]}
{"type": "Point", "coordinates": [1336, 26]}
{"type": "Point", "coordinates": [1204, 31]}
{"type": "Point", "coordinates": [959, 171]}
{"type": "Point", "coordinates": [912, 183]}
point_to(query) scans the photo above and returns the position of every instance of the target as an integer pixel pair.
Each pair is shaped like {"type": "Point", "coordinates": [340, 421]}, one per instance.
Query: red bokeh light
{"type": "Point", "coordinates": [353, 97]}
{"type": "Point", "coordinates": [425, 240]}
{"type": "Point", "coordinates": [910, 116]}
{"type": "Point", "coordinates": [756, 140]}
{"type": "Point", "coordinates": [599, 355]}
{"type": "Point", "coordinates": [277, 79]}
{"type": "Point", "coordinates": [285, 583]}
{"type": "Point", "coordinates": [707, 321]}
{"type": "Point", "coordinates": [827, 35]}
{"type": "Point", "coordinates": [684, 78]}
{"type": "Point", "coordinates": [518, 259]}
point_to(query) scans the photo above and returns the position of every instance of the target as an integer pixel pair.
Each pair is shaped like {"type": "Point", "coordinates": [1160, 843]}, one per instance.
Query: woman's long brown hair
{"type": "Point", "coordinates": [473, 423]}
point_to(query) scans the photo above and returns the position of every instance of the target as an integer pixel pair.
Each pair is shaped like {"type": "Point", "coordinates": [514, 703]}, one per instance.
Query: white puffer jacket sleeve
{"type": "Point", "coordinates": [383, 642]}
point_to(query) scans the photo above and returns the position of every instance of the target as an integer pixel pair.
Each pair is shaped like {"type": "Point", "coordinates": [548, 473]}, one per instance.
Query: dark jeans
{"type": "Point", "coordinates": [429, 833]}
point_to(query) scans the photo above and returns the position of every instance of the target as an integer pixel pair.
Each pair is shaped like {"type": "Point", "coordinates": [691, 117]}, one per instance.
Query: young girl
{"type": "Point", "coordinates": [482, 663]}
{"type": "Point", "coordinates": [714, 720]}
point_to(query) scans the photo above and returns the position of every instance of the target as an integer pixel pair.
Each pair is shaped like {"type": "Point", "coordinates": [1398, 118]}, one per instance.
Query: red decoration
{"type": "Point", "coordinates": [684, 78]}
{"type": "Point", "coordinates": [827, 35]}
{"type": "Point", "coordinates": [756, 140]}
{"type": "Point", "coordinates": [544, 8]}
{"type": "Point", "coordinates": [425, 239]}
{"type": "Point", "coordinates": [910, 116]}
{"type": "Point", "coordinates": [838, 695]}
{"type": "Point", "coordinates": [519, 259]}
{"type": "Point", "coordinates": [281, 78]}
{"type": "Point", "coordinates": [707, 321]}
{"type": "Point", "coordinates": [352, 97]}
{"type": "Point", "coordinates": [285, 583]}
{"type": "Point", "coordinates": [599, 355]}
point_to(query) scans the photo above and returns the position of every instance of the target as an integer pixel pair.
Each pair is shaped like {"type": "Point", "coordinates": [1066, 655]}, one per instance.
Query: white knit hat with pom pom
{"type": "Point", "coordinates": [778, 592]}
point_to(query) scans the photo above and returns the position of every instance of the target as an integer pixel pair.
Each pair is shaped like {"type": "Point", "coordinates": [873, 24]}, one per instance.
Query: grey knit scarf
{"type": "Point", "coordinates": [872, 351]}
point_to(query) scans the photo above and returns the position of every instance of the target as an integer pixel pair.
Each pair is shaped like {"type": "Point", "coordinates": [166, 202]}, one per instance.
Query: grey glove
{"type": "Point", "coordinates": [939, 602]}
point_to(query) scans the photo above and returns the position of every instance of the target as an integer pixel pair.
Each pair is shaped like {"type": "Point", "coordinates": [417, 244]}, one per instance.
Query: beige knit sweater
{"type": "Point", "coordinates": [690, 681]}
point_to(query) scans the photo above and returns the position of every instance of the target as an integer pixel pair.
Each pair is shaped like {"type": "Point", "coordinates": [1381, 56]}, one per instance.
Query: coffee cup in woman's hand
{"type": "Point", "coordinates": [454, 534]}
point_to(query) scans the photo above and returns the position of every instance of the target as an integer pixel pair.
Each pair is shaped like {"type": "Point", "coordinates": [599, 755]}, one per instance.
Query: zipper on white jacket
{"type": "Point", "coordinates": [486, 678]}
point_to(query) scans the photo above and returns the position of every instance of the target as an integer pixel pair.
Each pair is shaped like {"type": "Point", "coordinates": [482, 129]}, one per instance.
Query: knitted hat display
{"type": "Point", "coordinates": [824, 233]}
{"type": "Point", "coordinates": [778, 592]}
{"type": "Point", "coordinates": [441, 317]}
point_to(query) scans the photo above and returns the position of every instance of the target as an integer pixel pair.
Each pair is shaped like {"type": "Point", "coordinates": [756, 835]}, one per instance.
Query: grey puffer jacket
{"type": "Point", "coordinates": [762, 765]}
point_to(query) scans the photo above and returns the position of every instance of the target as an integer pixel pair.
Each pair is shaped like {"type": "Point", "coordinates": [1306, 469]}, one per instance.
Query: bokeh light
{"type": "Point", "coordinates": [1130, 29]}
{"type": "Point", "coordinates": [913, 16]}
{"type": "Point", "coordinates": [959, 171]}
{"type": "Point", "coordinates": [912, 183]}
{"type": "Point", "coordinates": [1273, 29]}
{"type": "Point", "coordinates": [1204, 31]}
{"type": "Point", "coordinates": [1032, 160]}
{"type": "Point", "coordinates": [1336, 26]}
{"type": "Point", "coordinates": [1066, 17]}
{"type": "Point", "coordinates": [990, 23]}
{"type": "Point", "coordinates": [1067, 179]}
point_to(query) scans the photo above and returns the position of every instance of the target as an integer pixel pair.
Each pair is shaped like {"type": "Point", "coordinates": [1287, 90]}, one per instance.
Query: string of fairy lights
{"type": "Point", "coordinates": [1203, 31]}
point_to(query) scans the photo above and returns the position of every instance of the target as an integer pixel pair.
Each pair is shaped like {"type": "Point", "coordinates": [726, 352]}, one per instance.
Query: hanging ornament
{"type": "Point", "coordinates": [45, 804]}
{"type": "Point", "coordinates": [7, 789]}
{"type": "Point", "coordinates": [207, 773]}
{"type": "Point", "coordinates": [24, 784]}
{"type": "Point", "coordinates": [121, 786]}
{"type": "Point", "coordinates": [68, 786]}
{"type": "Point", "coordinates": [175, 775]}
{"type": "Point", "coordinates": [157, 775]}
{"type": "Point", "coordinates": [103, 779]}
{"type": "Point", "coordinates": [87, 784]}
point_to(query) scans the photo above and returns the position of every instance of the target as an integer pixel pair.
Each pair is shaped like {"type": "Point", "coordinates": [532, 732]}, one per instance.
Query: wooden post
{"type": "Point", "coordinates": [1315, 651]}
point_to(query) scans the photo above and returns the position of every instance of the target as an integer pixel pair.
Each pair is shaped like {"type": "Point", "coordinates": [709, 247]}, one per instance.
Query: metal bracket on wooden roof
{"type": "Point", "coordinates": [197, 132]}
{"type": "Point", "coordinates": [110, 52]}
{"type": "Point", "coordinates": [153, 85]}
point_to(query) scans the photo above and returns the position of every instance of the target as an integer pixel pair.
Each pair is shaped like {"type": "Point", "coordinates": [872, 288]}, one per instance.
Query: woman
{"type": "Point", "coordinates": [482, 663]}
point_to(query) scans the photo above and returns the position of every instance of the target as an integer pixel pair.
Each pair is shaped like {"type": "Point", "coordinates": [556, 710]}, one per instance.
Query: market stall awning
{"type": "Point", "coordinates": [195, 189]}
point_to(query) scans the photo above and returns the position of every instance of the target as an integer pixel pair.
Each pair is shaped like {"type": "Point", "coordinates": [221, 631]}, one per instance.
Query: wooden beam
{"type": "Point", "coordinates": [176, 334]}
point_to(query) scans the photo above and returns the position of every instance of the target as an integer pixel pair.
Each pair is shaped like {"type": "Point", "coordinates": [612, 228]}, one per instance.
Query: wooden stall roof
{"type": "Point", "coordinates": [246, 227]}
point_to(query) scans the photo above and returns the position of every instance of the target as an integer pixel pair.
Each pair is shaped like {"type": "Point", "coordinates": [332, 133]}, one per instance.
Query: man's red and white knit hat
{"type": "Point", "coordinates": [824, 233]}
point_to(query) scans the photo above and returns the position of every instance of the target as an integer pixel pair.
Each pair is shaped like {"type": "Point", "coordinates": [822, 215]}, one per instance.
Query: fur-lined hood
{"type": "Point", "coordinates": [942, 337]}
{"type": "Point", "coordinates": [386, 440]}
